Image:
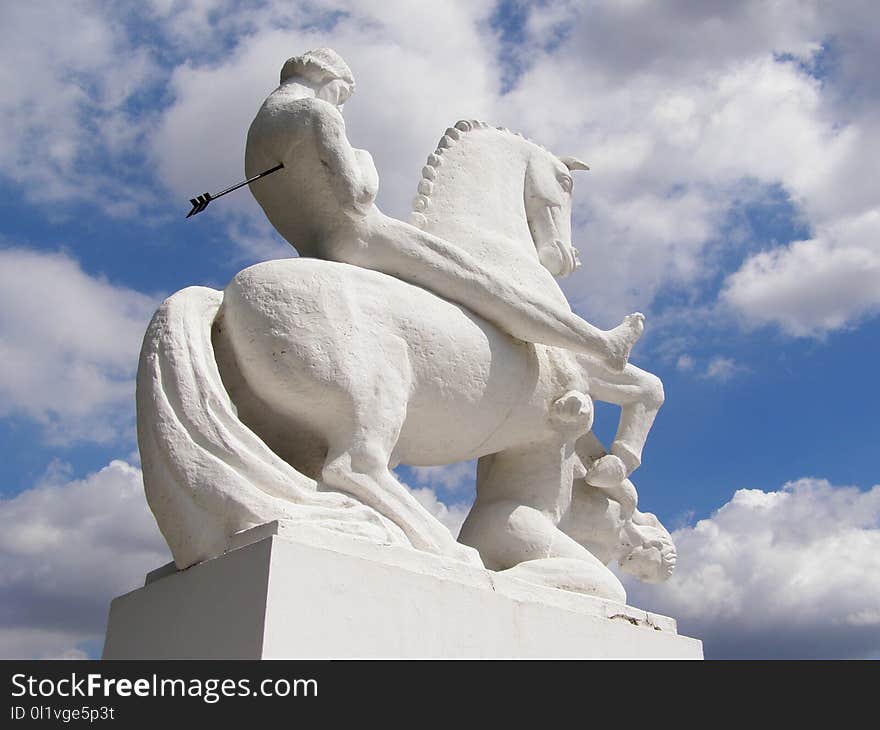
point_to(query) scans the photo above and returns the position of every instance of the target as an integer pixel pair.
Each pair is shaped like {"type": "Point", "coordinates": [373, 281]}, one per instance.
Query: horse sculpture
{"type": "Point", "coordinates": [293, 393]}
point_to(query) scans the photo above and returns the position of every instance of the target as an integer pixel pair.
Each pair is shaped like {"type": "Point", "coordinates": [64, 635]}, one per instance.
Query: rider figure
{"type": "Point", "coordinates": [301, 125]}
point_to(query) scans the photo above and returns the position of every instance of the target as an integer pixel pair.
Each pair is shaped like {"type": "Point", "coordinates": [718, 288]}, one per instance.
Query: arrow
{"type": "Point", "coordinates": [200, 202]}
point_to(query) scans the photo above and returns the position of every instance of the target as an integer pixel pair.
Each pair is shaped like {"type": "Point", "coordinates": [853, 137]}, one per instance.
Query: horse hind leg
{"type": "Point", "coordinates": [359, 455]}
{"type": "Point", "coordinates": [360, 468]}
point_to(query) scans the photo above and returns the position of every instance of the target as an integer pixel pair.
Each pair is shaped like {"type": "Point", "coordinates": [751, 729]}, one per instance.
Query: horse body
{"type": "Point", "coordinates": [357, 349]}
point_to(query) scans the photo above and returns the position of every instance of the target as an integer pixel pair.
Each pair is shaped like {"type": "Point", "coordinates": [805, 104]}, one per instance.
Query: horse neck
{"type": "Point", "coordinates": [471, 192]}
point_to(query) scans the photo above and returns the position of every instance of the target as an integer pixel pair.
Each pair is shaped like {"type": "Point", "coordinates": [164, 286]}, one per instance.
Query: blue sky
{"type": "Point", "coordinates": [733, 199]}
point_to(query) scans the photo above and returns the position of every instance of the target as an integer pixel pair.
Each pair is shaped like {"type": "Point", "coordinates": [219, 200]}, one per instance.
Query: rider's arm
{"type": "Point", "coordinates": [352, 172]}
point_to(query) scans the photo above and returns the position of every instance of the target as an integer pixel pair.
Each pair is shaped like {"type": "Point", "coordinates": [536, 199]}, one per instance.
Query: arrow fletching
{"type": "Point", "coordinates": [199, 203]}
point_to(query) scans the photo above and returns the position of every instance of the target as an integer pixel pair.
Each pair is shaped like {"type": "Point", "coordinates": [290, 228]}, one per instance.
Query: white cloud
{"type": "Point", "coordinates": [675, 106]}
{"type": "Point", "coordinates": [255, 239]}
{"type": "Point", "coordinates": [68, 548]}
{"type": "Point", "coordinates": [457, 478]}
{"type": "Point", "coordinates": [685, 363]}
{"type": "Point", "coordinates": [793, 573]}
{"type": "Point", "coordinates": [417, 71]}
{"type": "Point", "coordinates": [453, 477]}
{"type": "Point", "coordinates": [718, 367]}
{"type": "Point", "coordinates": [67, 73]}
{"type": "Point", "coordinates": [721, 368]}
{"type": "Point", "coordinates": [68, 346]}
{"type": "Point", "coordinates": [452, 516]}
{"type": "Point", "coordinates": [813, 287]}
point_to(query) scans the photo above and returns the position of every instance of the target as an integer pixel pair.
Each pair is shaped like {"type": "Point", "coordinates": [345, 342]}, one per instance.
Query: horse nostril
{"type": "Point", "coordinates": [569, 255]}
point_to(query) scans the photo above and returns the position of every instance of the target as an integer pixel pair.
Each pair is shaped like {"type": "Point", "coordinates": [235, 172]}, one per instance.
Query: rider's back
{"type": "Point", "coordinates": [299, 199]}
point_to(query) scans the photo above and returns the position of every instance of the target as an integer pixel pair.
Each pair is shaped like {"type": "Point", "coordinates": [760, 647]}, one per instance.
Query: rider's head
{"type": "Point", "coordinates": [649, 553]}
{"type": "Point", "coordinates": [323, 70]}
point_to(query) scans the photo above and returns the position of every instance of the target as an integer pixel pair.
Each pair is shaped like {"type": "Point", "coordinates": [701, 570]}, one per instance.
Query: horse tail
{"type": "Point", "coordinates": [206, 474]}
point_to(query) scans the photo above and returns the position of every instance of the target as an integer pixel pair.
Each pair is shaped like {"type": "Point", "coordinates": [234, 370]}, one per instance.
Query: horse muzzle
{"type": "Point", "coordinates": [559, 258]}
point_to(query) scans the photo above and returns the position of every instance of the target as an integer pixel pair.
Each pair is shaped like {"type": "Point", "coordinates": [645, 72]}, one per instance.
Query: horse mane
{"type": "Point", "coordinates": [430, 171]}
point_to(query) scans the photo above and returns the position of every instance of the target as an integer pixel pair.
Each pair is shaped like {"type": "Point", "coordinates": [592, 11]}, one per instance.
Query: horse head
{"type": "Point", "coordinates": [501, 186]}
{"type": "Point", "coordinates": [547, 195]}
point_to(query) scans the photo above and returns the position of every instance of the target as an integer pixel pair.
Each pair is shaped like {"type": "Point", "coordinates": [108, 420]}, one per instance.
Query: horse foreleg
{"type": "Point", "coordinates": [639, 395]}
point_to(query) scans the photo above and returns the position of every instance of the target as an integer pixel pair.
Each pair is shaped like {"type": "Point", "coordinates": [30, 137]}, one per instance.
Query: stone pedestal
{"type": "Point", "coordinates": [291, 592]}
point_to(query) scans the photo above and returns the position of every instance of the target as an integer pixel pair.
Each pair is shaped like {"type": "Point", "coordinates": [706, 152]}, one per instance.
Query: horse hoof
{"type": "Point", "coordinates": [606, 472]}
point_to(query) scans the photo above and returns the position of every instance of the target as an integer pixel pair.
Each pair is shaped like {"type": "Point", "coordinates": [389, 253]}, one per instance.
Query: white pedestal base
{"type": "Point", "coordinates": [329, 596]}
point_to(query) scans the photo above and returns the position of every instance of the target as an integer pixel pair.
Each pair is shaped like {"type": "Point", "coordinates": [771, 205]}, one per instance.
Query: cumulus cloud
{"type": "Point", "coordinates": [685, 363]}
{"type": "Point", "coordinates": [68, 346]}
{"type": "Point", "coordinates": [451, 515]}
{"type": "Point", "coordinates": [813, 287]}
{"type": "Point", "coordinates": [670, 135]}
{"type": "Point", "coordinates": [677, 107]}
{"type": "Point", "coordinates": [721, 369]}
{"type": "Point", "coordinates": [790, 574]}
{"type": "Point", "coordinates": [452, 477]}
{"type": "Point", "coordinates": [70, 133]}
{"type": "Point", "coordinates": [68, 547]}
{"type": "Point", "coordinates": [417, 72]}
{"type": "Point", "coordinates": [455, 479]}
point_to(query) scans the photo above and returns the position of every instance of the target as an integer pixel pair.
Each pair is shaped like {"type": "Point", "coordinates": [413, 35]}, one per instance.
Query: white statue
{"type": "Point", "coordinates": [293, 393]}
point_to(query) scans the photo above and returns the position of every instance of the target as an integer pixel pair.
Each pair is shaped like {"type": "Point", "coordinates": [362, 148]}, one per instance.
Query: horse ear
{"type": "Point", "coordinates": [573, 163]}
